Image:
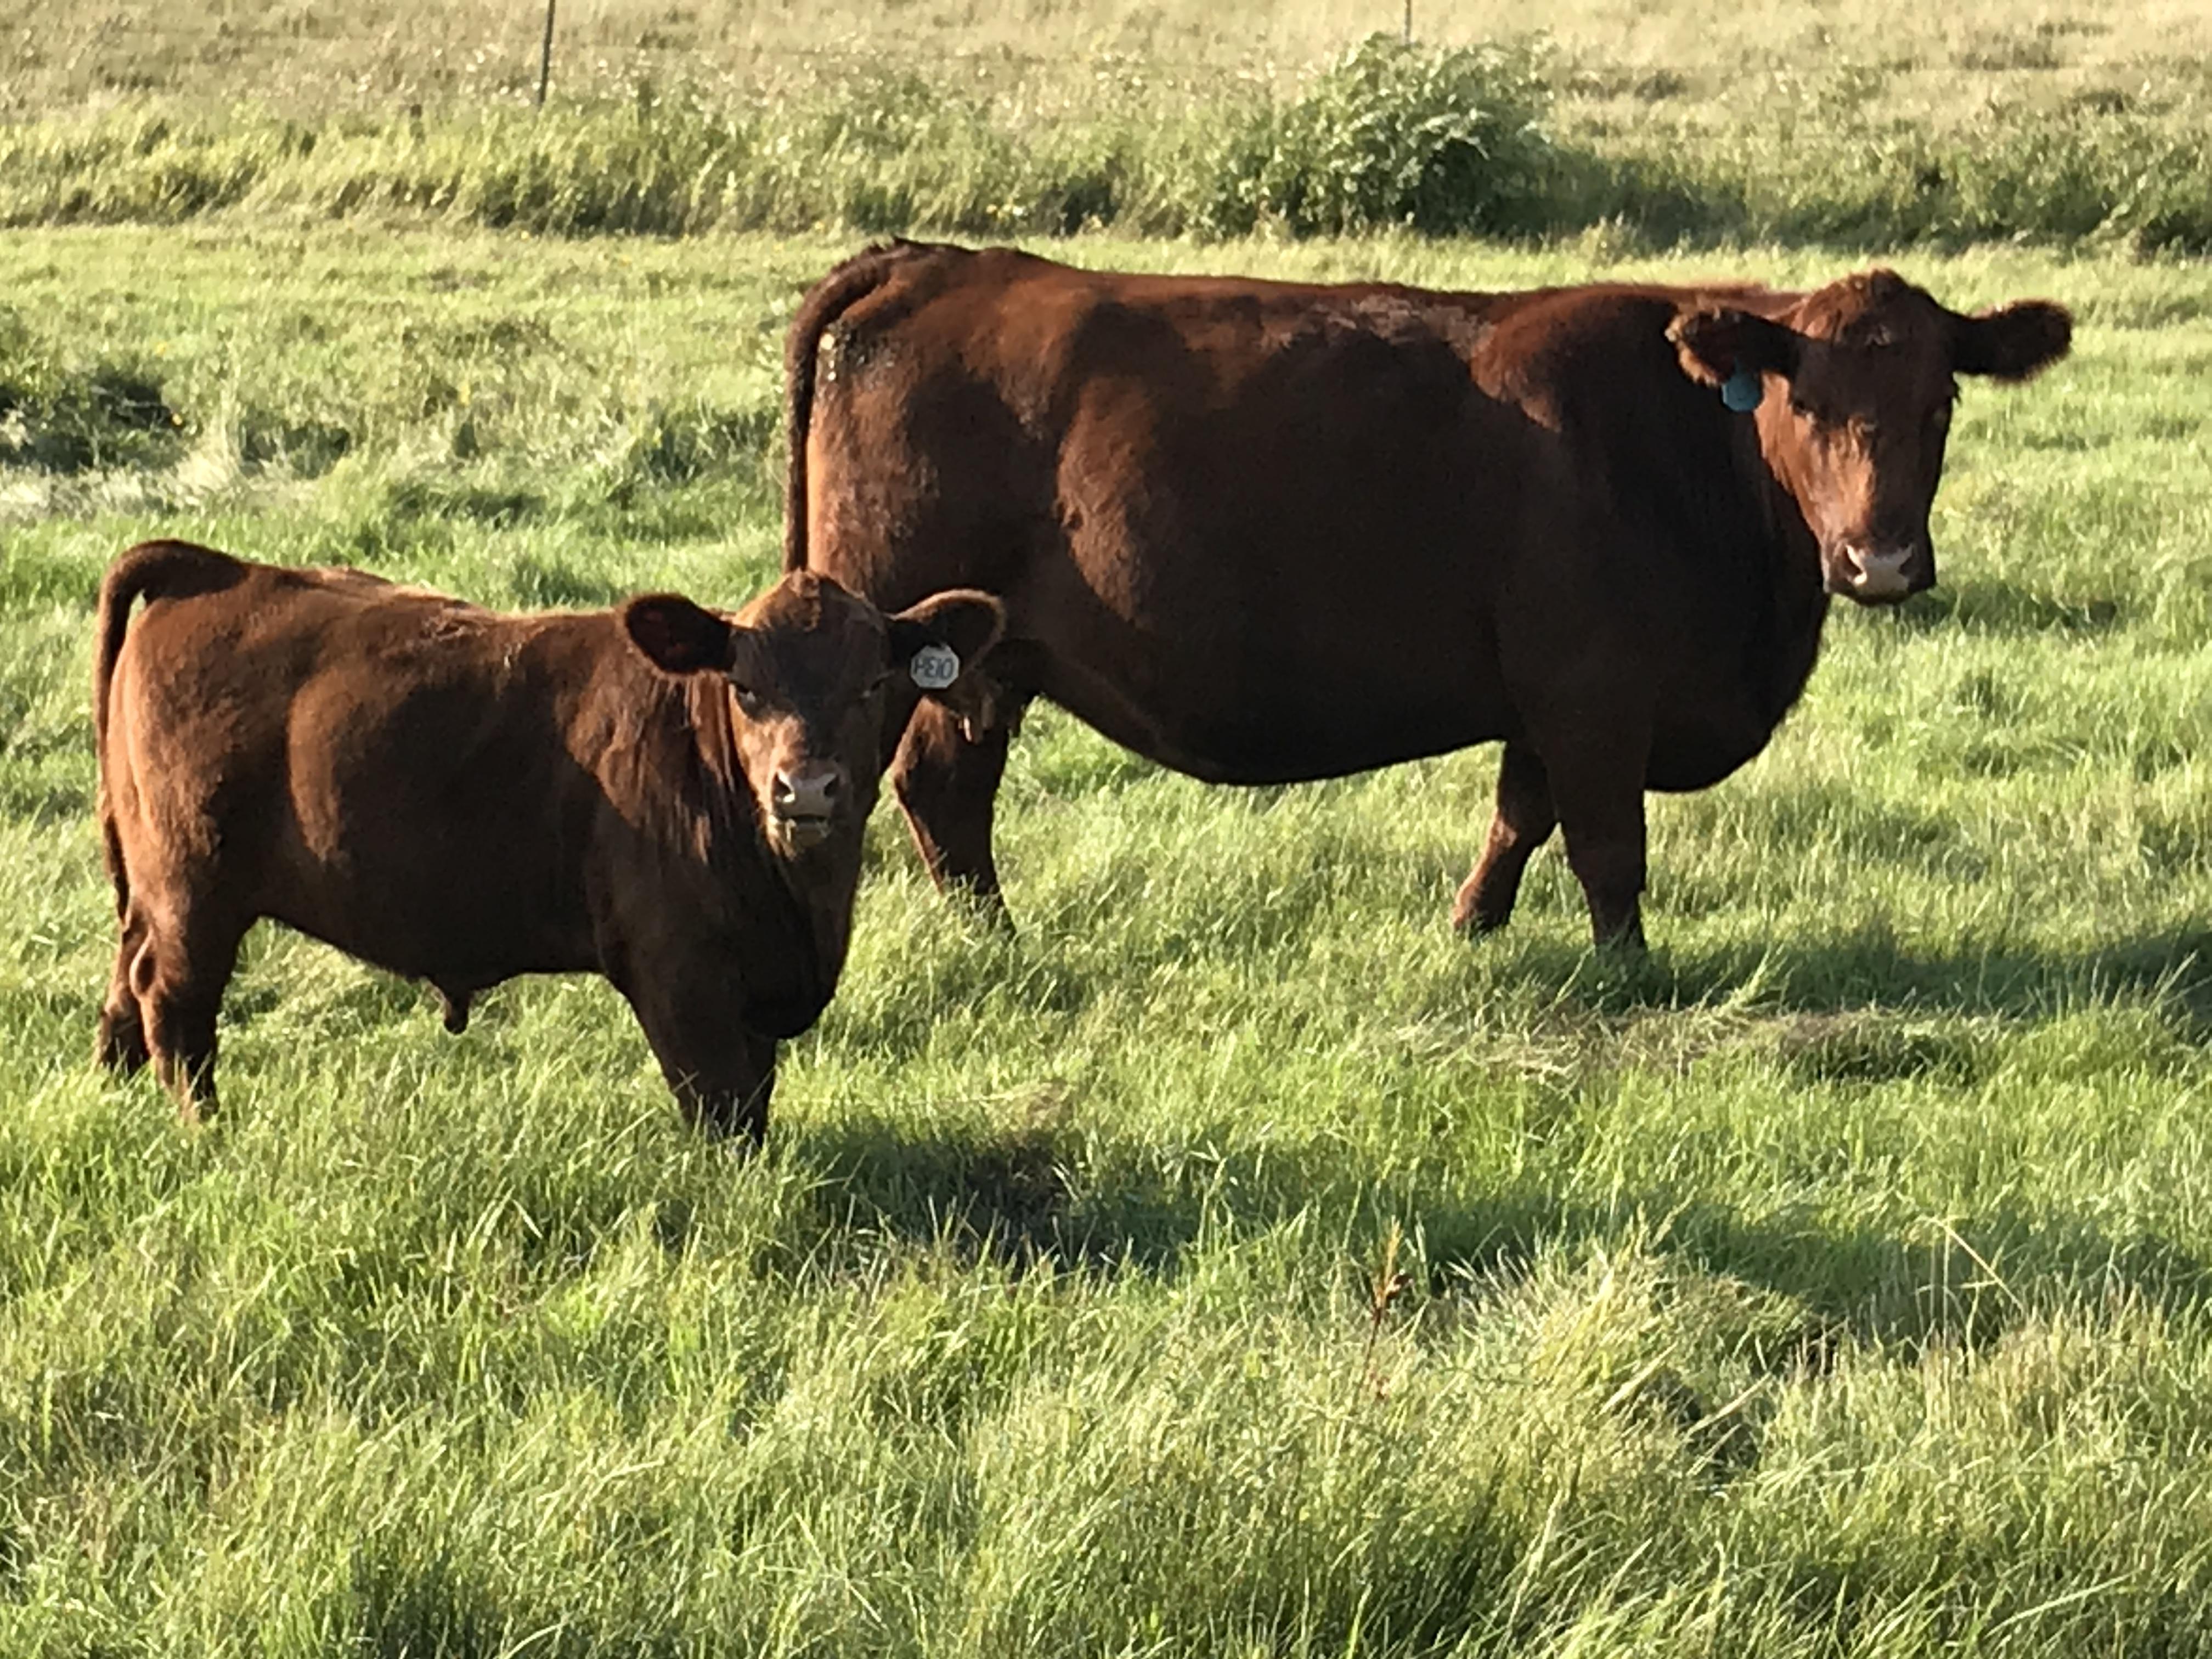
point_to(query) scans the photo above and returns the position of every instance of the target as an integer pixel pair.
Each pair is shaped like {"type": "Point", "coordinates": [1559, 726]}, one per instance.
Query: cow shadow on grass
{"type": "Point", "coordinates": [1028, 1196]}
{"type": "Point", "coordinates": [1013, 1198]}
{"type": "Point", "coordinates": [1856, 1008]}
{"type": "Point", "coordinates": [1871, 968]}
{"type": "Point", "coordinates": [1009, 1198]}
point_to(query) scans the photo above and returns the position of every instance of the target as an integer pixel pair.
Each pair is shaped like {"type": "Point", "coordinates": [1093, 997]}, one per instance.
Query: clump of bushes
{"type": "Point", "coordinates": [1393, 135]}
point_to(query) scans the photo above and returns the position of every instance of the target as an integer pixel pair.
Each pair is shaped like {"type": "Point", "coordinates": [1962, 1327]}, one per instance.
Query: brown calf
{"type": "Point", "coordinates": [660, 794]}
{"type": "Point", "coordinates": [1262, 531]}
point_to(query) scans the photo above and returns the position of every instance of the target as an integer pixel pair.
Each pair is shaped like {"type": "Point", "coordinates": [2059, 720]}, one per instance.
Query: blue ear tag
{"type": "Point", "coordinates": [1742, 390]}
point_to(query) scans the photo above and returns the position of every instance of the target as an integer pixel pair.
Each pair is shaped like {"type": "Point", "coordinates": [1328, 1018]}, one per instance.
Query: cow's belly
{"type": "Point", "coordinates": [1696, 749]}
{"type": "Point", "coordinates": [461, 933]}
{"type": "Point", "coordinates": [1344, 717]}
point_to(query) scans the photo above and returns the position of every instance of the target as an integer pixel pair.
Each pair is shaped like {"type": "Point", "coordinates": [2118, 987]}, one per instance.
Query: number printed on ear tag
{"type": "Point", "coordinates": [934, 667]}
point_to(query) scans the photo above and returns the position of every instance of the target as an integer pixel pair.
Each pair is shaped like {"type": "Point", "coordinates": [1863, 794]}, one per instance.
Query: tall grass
{"type": "Point", "coordinates": [1440, 140]}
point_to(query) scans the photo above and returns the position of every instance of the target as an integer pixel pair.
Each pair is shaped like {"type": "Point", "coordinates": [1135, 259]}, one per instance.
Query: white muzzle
{"type": "Point", "coordinates": [1876, 573]}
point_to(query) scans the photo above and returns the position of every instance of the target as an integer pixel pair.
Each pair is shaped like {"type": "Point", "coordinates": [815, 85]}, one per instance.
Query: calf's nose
{"type": "Point", "coordinates": [1878, 572]}
{"type": "Point", "coordinates": [806, 791]}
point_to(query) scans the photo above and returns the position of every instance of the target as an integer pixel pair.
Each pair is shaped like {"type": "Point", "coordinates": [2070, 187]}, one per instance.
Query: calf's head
{"type": "Point", "coordinates": [1853, 386]}
{"type": "Point", "coordinates": [812, 672]}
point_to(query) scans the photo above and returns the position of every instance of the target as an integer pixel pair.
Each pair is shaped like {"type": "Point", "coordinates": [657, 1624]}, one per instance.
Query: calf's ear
{"type": "Point", "coordinates": [1716, 343]}
{"type": "Point", "coordinates": [2013, 342]}
{"type": "Point", "coordinates": [936, 641]}
{"type": "Point", "coordinates": [678, 637]}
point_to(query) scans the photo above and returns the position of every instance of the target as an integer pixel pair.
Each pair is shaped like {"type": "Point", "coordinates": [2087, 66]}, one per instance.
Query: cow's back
{"type": "Point", "coordinates": [1220, 502]}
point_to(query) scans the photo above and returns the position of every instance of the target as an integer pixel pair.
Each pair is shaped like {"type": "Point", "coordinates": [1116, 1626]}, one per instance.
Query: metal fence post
{"type": "Point", "coordinates": [545, 51]}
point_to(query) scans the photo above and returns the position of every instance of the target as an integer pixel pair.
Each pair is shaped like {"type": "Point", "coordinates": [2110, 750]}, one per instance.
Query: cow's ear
{"type": "Point", "coordinates": [679, 637]}
{"type": "Point", "coordinates": [2013, 341]}
{"type": "Point", "coordinates": [1717, 343]}
{"type": "Point", "coordinates": [934, 641]}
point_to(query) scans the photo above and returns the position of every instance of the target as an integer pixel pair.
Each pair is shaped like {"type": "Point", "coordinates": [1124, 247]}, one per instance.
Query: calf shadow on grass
{"type": "Point", "coordinates": [419, 1598]}
{"type": "Point", "coordinates": [1001, 1194]}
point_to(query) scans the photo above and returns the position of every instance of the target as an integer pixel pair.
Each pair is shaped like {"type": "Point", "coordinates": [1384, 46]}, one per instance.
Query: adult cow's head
{"type": "Point", "coordinates": [812, 670]}
{"type": "Point", "coordinates": [1853, 386]}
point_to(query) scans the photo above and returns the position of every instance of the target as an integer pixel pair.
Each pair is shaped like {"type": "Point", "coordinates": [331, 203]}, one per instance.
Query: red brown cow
{"type": "Point", "coordinates": [660, 794]}
{"type": "Point", "coordinates": [1261, 532]}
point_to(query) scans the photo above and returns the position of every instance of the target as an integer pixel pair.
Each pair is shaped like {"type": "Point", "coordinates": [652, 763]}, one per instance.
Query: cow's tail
{"type": "Point", "coordinates": [825, 302]}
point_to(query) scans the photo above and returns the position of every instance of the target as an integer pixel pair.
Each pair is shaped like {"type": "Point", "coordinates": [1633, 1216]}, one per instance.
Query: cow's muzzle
{"type": "Point", "coordinates": [803, 804]}
{"type": "Point", "coordinates": [1880, 575]}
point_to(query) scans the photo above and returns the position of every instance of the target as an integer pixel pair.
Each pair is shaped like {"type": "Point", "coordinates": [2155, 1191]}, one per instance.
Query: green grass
{"type": "Point", "coordinates": [1834, 1283]}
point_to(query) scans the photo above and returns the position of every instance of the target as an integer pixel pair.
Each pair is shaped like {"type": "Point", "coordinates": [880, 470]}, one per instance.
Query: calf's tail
{"type": "Point", "coordinates": [150, 570]}
{"type": "Point", "coordinates": [825, 302]}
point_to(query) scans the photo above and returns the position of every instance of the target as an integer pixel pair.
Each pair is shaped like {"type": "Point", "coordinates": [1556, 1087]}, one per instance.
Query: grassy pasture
{"type": "Point", "coordinates": [1833, 1284]}
{"type": "Point", "coordinates": [1616, 55]}
{"type": "Point", "coordinates": [1860, 123]}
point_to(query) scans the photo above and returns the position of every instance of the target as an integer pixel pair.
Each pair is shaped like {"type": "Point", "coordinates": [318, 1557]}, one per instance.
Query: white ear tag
{"type": "Point", "coordinates": [934, 667]}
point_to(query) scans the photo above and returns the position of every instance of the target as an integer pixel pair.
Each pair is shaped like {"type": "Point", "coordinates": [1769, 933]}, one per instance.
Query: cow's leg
{"type": "Point", "coordinates": [721, 1073]}
{"type": "Point", "coordinates": [947, 784]}
{"type": "Point", "coordinates": [1523, 822]}
{"type": "Point", "coordinates": [1598, 790]}
{"type": "Point", "coordinates": [179, 977]}
{"type": "Point", "coordinates": [120, 1044]}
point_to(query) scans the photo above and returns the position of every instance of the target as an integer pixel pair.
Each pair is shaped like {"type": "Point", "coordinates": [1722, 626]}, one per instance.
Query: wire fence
{"type": "Point", "coordinates": [525, 51]}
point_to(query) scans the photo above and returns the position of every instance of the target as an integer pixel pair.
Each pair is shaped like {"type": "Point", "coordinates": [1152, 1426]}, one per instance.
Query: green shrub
{"type": "Point", "coordinates": [1395, 134]}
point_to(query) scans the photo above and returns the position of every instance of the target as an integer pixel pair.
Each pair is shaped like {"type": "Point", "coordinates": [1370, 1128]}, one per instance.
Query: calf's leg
{"type": "Point", "coordinates": [947, 784]}
{"type": "Point", "coordinates": [1524, 821]}
{"type": "Point", "coordinates": [120, 1042]}
{"type": "Point", "coordinates": [178, 977]}
{"type": "Point", "coordinates": [721, 1073]}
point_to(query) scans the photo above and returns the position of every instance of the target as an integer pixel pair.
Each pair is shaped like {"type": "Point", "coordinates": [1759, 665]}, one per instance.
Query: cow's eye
{"type": "Point", "coordinates": [748, 699]}
{"type": "Point", "coordinates": [1800, 408]}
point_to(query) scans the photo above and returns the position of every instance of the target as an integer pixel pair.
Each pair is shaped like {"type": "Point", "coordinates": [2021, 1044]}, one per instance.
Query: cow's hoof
{"type": "Point", "coordinates": [1474, 918]}
{"type": "Point", "coordinates": [120, 1043]}
{"type": "Point", "coordinates": [452, 1009]}
{"type": "Point", "coordinates": [985, 906]}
